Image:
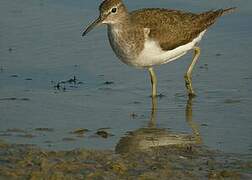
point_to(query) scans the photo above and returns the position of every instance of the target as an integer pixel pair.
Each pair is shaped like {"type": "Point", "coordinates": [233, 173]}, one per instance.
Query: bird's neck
{"type": "Point", "coordinates": [124, 22]}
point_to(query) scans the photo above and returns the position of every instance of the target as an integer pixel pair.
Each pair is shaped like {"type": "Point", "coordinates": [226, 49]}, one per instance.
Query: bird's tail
{"type": "Point", "coordinates": [228, 10]}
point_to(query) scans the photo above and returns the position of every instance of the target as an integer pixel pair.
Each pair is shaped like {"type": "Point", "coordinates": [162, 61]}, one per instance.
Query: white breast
{"type": "Point", "coordinates": [152, 54]}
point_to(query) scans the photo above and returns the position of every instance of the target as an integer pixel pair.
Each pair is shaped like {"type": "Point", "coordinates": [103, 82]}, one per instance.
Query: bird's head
{"type": "Point", "coordinates": [111, 12]}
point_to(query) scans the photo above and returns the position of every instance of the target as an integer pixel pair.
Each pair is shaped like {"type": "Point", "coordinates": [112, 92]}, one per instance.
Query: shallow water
{"type": "Point", "coordinates": [41, 45]}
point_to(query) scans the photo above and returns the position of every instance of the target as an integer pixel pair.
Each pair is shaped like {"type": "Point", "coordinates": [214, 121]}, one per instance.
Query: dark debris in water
{"type": "Point", "coordinates": [45, 129]}
{"type": "Point", "coordinates": [104, 128]}
{"type": "Point", "coordinates": [136, 102]}
{"type": "Point", "coordinates": [79, 131]}
{"type": "Point", "coordinates": [205, 66]}
{"type": "Point", "coordinates": [108, 82]}
{"type": "Point", "coordinates": [67, 84]}
{"type": "Point", "coordinates": [28, 79]}
{"type": "Point", "coordinates": [14, 99]}
{"type": "Point", "coordinates": [133, 115]}
{"type": "Point", "coordinates": [103, 132]}
{"type": "Point", "coordinates": [10, 49]}
{"type": "Point", "coordinates": [29, 162]}
{"type": "Point", "coordinates": [14, 76]}
{"type": "Point", "coordinates": [247, 78]}
{"type": "Point", "coordinates": [160, 96]}
{"type": "Point", "coordinates": [232, 101]}
{"type": "Point", "coordinates": [1, 69]}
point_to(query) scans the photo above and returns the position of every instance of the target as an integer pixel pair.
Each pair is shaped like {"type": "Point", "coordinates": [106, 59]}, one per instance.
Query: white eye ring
{"type": "Point", "coordinates": [113, 10]}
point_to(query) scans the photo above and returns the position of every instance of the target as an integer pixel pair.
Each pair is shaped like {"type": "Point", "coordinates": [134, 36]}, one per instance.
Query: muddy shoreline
{"type": "Point", "coordinates": [173, 162]}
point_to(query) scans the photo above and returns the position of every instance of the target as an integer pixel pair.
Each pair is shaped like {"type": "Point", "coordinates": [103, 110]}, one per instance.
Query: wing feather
{"type": "Point", "coordinates": [172, 28]}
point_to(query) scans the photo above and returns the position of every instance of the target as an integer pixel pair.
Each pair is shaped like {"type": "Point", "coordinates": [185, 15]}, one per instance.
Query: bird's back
{"type": "Point", "coordinates": [173, 28]}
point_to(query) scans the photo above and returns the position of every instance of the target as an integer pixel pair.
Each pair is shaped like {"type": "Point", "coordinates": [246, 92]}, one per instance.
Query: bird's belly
{"type": "Point", "coordinates": [152, 54]}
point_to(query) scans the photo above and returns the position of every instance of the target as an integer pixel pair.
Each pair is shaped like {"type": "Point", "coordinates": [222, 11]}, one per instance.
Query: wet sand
{"type": "Point", "coordinates": [175, 162]}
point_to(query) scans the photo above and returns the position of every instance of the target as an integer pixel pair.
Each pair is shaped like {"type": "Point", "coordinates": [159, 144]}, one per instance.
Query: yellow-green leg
{"type": "Point", "coordinates": [188, 75]}
{"type": "Point", "coordinates": [153, 81]}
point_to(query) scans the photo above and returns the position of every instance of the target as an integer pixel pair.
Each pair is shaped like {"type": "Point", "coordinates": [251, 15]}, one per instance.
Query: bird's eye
{"type": "Point", "coordinates": [113, 10]}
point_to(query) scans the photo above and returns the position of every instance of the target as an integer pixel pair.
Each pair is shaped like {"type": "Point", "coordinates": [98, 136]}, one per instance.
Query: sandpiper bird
{"type": "Point", "coordinates": [148, 37]}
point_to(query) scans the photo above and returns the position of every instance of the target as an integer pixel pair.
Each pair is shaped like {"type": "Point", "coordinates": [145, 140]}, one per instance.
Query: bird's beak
{"type": "Point", "coordinates": [97, 22]}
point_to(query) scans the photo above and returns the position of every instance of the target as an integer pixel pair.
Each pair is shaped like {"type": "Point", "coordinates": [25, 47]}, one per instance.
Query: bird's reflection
{"type": "Point", "coordinates": [151, 136]}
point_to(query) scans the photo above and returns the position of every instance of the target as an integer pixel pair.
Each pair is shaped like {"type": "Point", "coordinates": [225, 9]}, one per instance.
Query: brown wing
{"type": "Point", "coordinates": [174, 28]}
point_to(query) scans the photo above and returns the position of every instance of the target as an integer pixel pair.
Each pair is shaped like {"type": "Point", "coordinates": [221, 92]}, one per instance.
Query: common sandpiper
{"type": "Point", "coordinates": [148, 37]}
